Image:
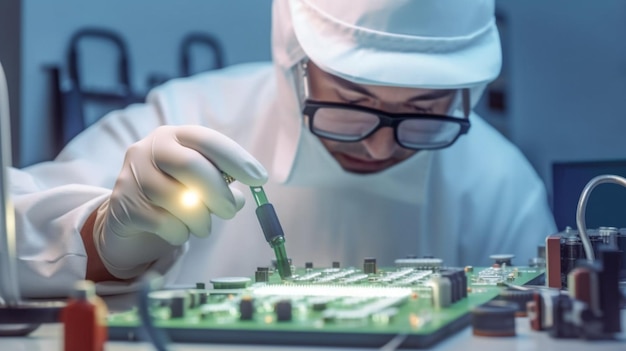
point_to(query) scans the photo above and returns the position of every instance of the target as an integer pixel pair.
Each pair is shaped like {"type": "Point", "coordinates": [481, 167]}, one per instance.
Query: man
{"type": "Point", "coordinates": [359, 132]}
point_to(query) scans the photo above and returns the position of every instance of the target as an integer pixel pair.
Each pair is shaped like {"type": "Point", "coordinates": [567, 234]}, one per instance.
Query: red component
{"type": "Point", "coordinates": [535, 314]}
{"type": "Point", "coordinates": [84, 321]}
{"type": "Point", "coordinates": [579, 284]}
{"type": "Point", "coordinates": [553, 261]}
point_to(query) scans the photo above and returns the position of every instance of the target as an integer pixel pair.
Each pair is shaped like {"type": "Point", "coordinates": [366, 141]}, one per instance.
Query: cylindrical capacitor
{"type": "Point", "coordinates": [571, 252]}
{"type": "Point", "coordinates": [283, 311]}
{"type": "Point", "coordinates": [494, 318]}
{"type": "Point", "coordinates": [246, 309]}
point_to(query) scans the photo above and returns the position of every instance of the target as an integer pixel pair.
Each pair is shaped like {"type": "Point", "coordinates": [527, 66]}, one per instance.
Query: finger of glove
{"type": "Point", "coordinates": [165, 192]}
{"type": "Point", "coordinates": [125, 222]}
{"type": "Point", "coordinates": [172, 229]}
{"type": "Point", "coordinates": [240, 199]}
{"type": "Point", "coordinates": [224, 153]}
{"type": "Point", "coordinates": [195, 173]}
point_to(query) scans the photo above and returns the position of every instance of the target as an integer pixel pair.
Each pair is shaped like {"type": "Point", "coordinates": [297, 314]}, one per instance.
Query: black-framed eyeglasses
{"type": "Point", "coordinates": [351, 123]}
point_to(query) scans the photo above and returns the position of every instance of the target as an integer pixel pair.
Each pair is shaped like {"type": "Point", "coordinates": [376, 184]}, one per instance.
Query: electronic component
{"type": "Point", "coordinates": [590, 308]}
{"type": "Point", "coordinates": [333, 306]}
{"type": "Point", "coordinates": [565, 249]}
{"type": "Point", "coordinates": [270, 226]}
{"type": "Point", "coordinates": [84, 326]}
{"type": "Point", "coordinates": [230, 282]}
{"type": "Point", "coordinates": [520, 297]}
{"type": "Point", "coordinates": [272, 230]}
{"type": "Point", "coordinates": [589, 263]}
{"type": "Point", "coordinates": [494, 318]}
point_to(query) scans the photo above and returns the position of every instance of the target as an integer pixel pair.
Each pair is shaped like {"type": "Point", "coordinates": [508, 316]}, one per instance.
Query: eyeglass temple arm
{"type": "Point", "coordinates": [465, 94]}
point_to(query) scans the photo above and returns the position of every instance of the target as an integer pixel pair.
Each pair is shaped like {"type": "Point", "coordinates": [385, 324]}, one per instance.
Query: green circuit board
{"type": "Point", "coordinates": [355, 307]}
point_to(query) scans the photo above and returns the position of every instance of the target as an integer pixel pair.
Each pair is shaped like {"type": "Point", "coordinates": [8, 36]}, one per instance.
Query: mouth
{"type": "Point", "coordinates": [357, 165]}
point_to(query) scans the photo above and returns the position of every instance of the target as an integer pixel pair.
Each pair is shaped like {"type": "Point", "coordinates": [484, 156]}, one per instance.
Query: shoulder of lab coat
{"type": "Point", "coordinates": [53, 199]}
{"type": "Point", "coordinates": [500, 194]}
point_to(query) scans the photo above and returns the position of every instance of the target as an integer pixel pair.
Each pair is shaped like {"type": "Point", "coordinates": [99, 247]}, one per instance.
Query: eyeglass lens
{"type": "Point", "coordinates": [353, 125]}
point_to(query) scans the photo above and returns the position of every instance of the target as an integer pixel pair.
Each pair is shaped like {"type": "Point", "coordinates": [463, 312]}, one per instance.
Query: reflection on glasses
{"type": "Point", "coordinates": [350, 123]}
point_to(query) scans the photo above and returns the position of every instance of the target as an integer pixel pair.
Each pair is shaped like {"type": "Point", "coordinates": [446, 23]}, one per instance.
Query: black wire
{"type": "Point", "coordinates": [156, 336]}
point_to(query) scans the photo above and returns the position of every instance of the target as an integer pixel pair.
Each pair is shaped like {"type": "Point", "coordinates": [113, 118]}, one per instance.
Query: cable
{"type": "Point", "coordinates": [582, 206]}
{"type": "Point", "coordinates": [156, 336]}
{"type": "Point", "coordinates": [394, 343]}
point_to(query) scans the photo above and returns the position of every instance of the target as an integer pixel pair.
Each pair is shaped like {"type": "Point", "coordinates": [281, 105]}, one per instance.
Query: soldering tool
{"type": "Point", "coordinates": [270, 225]}
{"type": "Point", "coordinates": [272, 230]}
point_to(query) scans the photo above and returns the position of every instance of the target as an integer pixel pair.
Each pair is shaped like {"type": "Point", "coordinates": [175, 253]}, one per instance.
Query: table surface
{"type": "Point", "coordinates": [49, 337]}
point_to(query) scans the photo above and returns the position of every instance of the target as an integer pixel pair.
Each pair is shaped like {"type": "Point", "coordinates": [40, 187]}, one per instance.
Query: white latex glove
{"type": "Point", "coordinates": [145, 217]}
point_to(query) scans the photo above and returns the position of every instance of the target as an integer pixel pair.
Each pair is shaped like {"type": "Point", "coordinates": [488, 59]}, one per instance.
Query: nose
{"type": "Point", "coordinates": [381, 145]}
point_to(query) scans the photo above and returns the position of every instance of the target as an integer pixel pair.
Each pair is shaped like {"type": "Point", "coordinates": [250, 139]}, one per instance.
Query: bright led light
{"type": "Point", "coordinates": [190, 198]}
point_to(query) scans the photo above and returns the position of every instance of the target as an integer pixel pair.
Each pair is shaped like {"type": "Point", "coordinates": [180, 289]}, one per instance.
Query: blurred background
{"type": "Point", "coordinates": [559, 97]}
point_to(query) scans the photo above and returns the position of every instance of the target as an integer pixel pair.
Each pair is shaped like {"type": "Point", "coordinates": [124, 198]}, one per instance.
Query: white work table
{"type": "Point", "coordinates": [49, 338]}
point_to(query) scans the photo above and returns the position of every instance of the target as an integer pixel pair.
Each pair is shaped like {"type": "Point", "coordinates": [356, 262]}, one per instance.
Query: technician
{"type": "Point", "coordinates": [361, 132]}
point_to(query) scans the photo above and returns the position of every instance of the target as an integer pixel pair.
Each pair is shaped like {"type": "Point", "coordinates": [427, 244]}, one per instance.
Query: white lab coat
{"type": "Point", "coordinates": [476, 198]}
{"type": "Point", "coordinates": [463, 203]}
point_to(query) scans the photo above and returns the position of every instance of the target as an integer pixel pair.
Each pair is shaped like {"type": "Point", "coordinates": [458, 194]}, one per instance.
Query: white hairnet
{"type": "Point", "coordinates": [438, 44]}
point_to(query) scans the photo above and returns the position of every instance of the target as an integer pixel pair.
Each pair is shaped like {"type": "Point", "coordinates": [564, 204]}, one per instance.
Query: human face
{"type": "Point", "coordinates": [380, 150]}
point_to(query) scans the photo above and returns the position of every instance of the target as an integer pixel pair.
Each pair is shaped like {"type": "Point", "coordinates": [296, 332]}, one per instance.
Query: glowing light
{"type": "Point", "coordinates": [190, 198]}
{"type": "Point", "coordinates": [331, 291]}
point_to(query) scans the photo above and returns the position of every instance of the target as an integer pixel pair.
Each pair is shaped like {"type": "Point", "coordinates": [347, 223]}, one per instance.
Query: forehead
{"type": "Point", "coordinates": [324, 80]}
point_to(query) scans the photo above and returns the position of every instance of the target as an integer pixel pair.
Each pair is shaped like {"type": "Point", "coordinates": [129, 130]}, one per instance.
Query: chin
{"type": "Point", "coordinates": [359, 171]}
{"type": "Point", "coordinates": [356, 166]}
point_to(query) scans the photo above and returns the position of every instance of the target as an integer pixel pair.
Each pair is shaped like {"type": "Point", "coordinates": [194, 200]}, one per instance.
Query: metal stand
{"type": "Point", "coordinates": [17, 317]}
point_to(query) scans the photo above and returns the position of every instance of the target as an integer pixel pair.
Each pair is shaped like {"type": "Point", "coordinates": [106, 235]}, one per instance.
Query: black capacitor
{"type": "Point", "coordinates": [193, 299]}
{"type": "Point", "coordinates": [620, 241]}
{"type": "Point", "coordinates": [246, 309]}
{"type": "Point", "coordinates": [520, 297]}
{"type": "Point", "coordinates": [609, 289]}
{"type": "Point", "coordinates": [283, 311]}
{"type": "Point", "coordinates": [369, 265]}
{"type": "Point", "coordinates": [502, 259]}
{"type": "Point", "coordinates": [494, 318]}
{"type": "Point", "coordinates": [571, 251]}
{"type": "Point", "coordinates": [455, 285]}
{"type": "Point", "coordinates": [262, 275]}
{"type": "Point", "coordinates": [562, 327]}
{"type": "Point", "coordinates": [319, 306]}
{"type": "Point", "coordinates": [177, 307]}
{"type": "Point", "coordinates": [462, 279]}
{"type": "Point", "coordinates": [203, 296]}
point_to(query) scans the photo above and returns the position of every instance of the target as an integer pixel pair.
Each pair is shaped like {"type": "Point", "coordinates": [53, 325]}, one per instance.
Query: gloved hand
{"type": "Point", "coordinates": [145, 216]}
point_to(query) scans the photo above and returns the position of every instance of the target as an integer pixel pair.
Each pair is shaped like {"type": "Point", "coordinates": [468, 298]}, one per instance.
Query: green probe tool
{"type": "Point", "coordinates": [270, 226]}
{"type": "Point", "coordinates": [272, 230]}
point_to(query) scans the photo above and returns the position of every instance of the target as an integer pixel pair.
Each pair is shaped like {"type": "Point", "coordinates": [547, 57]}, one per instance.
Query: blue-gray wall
{"type": "Point", "coordinates": [565, 64]}
{"type": "Point", "coordinates": [568, 69]}
{"type": "Point", "coordinates": [153, 30]}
